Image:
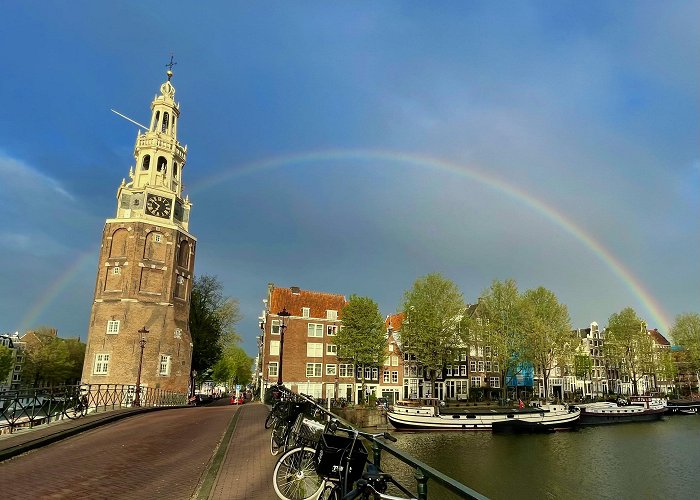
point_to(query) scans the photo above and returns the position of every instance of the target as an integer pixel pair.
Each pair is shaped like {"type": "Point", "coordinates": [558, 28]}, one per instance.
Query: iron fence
{"type": "Point", "coordinates": [28, 408]}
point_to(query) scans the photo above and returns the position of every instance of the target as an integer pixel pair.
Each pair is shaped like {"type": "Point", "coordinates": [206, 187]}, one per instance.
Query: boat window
{"type": "Point", "coordinates": [455, 416]}
{"type": "Point", "coordinates": [471, 415]}
{"type": "Point", "coordinates": [511, 415]}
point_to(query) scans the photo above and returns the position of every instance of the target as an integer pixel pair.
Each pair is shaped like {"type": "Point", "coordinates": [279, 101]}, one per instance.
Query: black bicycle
{"type": "Point", "coordinates": [76, 406]}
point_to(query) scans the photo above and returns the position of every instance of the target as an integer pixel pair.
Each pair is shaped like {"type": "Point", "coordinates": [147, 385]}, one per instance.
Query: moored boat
{"type": "Point", "coordinates": [426, 414]}
{"type": "Point", "coordinates": [683, 406]}
{"type": "Point", "coordinates": [639, 409]}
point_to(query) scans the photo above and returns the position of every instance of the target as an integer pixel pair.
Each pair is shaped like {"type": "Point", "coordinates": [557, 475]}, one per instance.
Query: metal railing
{"type": "Point", "coordinates": [31, 407]}
{"type": "Point", "coordinates": [423, 473]}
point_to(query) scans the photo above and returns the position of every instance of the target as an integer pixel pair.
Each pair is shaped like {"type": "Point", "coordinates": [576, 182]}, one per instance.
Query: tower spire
{"type": "Point", "coordinates": [170, 67]}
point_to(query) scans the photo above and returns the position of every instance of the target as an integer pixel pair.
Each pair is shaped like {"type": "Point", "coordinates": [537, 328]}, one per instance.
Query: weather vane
{"type": "Point", "coordinates": [170, 67]}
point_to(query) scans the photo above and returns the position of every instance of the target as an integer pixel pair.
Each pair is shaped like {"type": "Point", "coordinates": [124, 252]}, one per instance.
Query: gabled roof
{"type": "Point", "coordinates": [393, 322]}
{"type": "Point", "coordinates": [658, 338]}
{"type": "Point", "coordinates": [294, 299]}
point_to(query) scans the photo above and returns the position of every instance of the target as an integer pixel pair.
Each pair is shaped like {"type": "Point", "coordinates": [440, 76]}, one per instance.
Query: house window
{"type": "Point", "coordinates": [315, 330]}
{"type": "Point", "coordinates": [476, 381]}
{"type": "Point", "coordinates": [305, 312]}
{"type": "Point", "coordinates": [385, 376]}
{"type": "Point", "coordinates": [463, 370]}
{"type": "Point", "coordinates": [481, 366]}
{"type": "Point", "coordinates": [346, 370]}
{"type": "Point", "coordinates": [157, 238]}
{"type": "Point", "coordinates": [331, 315]}
{"type": "Point", "coordinates": [272, 369]}
{"type": "Point", "coordinates": [331, 330]}
{"type": "Point", "coordinates": [113, 326]}
{"type": "Point", "coordinates": [487, 352]}
{"type": "Point", "coordinates": [449, 370]}
{"type": "Point", "coordinates": [488, 366]}
{"type": "Point", "coordinates": [16, 377]}
{"type": "Point", "coordinates": [394, 360]}
{"type": "Point", "coordinates": [331, 349]}
{"type": "Point", "coordinates": [463, 356]}
{"type": "Point", "coordinates": [472, 366]}
{"type": "Point", "coordinates": [495, 382]}
{"type": "Point", "coordinates": [331, 370]}
{"type": "Point", "coordinates": [314, 350]}
{"type": "Point", "coordinates": [395, 377]}
{"type": "Point", "coordinates": [375, 373]}
{"type": "Point", "coordinates": [391, 347]}
{"type": "Point", "coordinates": [101, 364]}
{"type": "Point", "coordinates": [405, 371]}
{"type": "Point", "coordinates": [164, 365]}
{"type": "Point", "coordinates": [387, 361]}
{"type": "Point", "coordinates": [313, 369]}
{"type": "Point", "coordinates": [274, 348]}
{"type": "Point", "coordinates": [116, 270]}
{"type": "Point", "coordinates": [275, 327]}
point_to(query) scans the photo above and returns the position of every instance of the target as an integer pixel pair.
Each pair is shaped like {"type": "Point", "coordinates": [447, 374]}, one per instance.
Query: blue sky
{"type": "Point", "coordinates": [352, 147]}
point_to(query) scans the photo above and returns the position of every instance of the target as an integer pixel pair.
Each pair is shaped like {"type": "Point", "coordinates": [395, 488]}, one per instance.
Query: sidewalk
{"type": "Point", "coordinates": [246, 469]}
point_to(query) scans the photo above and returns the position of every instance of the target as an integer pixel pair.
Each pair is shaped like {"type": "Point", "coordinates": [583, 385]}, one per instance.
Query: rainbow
{"type": "Point", "coordinates": [660, 318]}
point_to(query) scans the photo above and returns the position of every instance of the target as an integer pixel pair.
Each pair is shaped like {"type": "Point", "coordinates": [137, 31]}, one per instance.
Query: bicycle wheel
{"type": "Point", "coordinates": [270, 420]}
{"type": "Point", "coordinates": [277, 439]}
{"type": "Point", "coordinates": [75, 409]}
{"type": "Point", "coordinates": [331, 491]}
{"type": "Point", "coordinates": [295, 477]}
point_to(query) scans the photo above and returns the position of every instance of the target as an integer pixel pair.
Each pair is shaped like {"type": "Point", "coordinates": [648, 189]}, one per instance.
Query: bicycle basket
{"type": "Point", "coordinates": [330, 458]}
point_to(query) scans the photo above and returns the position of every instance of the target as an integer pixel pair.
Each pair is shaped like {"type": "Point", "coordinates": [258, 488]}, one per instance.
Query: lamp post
{"type": "Point", "coordinates": [142, 342]}
{"type": "Point", "coordinates": [284, 315]}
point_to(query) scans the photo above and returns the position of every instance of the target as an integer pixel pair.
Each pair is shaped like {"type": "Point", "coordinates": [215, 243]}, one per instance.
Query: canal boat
{"type": "Point", "coordinates": [639, 409]}
{"type": "Point", "coordinates": [427, 414]}
{"type": "Point", "coordinates": [683, 406]}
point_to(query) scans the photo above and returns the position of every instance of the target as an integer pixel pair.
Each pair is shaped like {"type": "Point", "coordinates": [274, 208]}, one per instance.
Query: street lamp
{"type": "Point", "coordinates": [142, 342]}
{"type": "Point", "coordinates": [284, 315]}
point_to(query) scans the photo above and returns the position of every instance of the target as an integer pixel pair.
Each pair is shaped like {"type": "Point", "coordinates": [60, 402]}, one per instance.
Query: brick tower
{"type": "Point", "coordinates": [144, 274]}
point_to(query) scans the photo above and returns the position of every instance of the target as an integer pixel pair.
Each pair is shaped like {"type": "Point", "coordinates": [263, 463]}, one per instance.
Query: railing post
{"type": "Point", "coordinates": [376, 454]}
{"type": "Point", "coordinates": [422, 480]}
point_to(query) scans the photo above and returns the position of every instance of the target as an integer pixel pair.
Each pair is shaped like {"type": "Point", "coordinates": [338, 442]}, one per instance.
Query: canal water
{"type": "Point", "coordinates": [647, 460]}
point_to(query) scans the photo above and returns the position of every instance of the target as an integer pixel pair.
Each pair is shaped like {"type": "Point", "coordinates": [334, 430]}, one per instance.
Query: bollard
{"type": "Point", "coordinates": [422, 480]}
{"type": "Point", "coordinates": [376, 454]}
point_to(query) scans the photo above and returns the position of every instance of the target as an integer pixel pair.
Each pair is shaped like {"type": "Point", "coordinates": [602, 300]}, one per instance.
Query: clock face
{"type": "Point", "coordinates": [160, 206]}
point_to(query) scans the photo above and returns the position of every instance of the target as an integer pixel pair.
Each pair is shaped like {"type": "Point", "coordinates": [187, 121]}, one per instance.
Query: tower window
{"type": "Point", "coordinates": [146, 162]}
{"type": "Point", "coordinates": [101, 364]}
{"type": "Point", "coordinates": [155, 122]}
{"type": "Point", "coordinates": [175, 169]}
{"type": "Point", "coordinates": [166, 118]}
{"type": "Point", "coordinates": [113, 326]}
{"type": "Point", "coordinates": [116, 270]}
{"type": "Point", "coordinates": [162, 164]}
{"type": "Point", "coordinates": [157, 238]}
{"type": "Point", "coordinates": [164, 365]}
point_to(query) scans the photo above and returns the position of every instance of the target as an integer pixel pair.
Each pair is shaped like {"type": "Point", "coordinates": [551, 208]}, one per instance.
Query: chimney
{"type": "Point", "coordinates": [295, 290]}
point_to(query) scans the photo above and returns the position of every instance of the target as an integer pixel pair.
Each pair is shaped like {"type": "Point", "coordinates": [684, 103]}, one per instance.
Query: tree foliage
{"type": "Point", "coordinates": [434, 310]}
{"type": "Point", "coordinates": [7, 362]}
{"type": "Point", "coordinates": [501, 312]}
{"type": "Point", "coordinates": [547, 330]}
{"type": "Point", "coordinates": [213, 318]}
{"type": "Point", "coordinates": [686, 333]}
{"type": "Point", "coordinates": [361, 339]}
{"type": "Point", "coordinates": [50, 360]}
{"type": "Point", "coordinates": [628, 345]}
{"type": "Point", "coordinates": [234, 367]}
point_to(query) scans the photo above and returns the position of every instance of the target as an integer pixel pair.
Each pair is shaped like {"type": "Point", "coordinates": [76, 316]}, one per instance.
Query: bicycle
{"type": "Point", "coordinates": [282, 436]}
{"type": "Point", "coordinates": [342, 463]}
{"type": "Point", "coordinates": [76, 406]}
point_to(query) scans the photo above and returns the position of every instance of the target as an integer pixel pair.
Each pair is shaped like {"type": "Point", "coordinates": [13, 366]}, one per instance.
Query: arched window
{"type": "Point", "coordinates": [119, 240]}
{"type": "Point", "coordinates": [162, 164]}
{"type": "Point", "coordinates": [154, 248]}
{"type": "Point", "coordinates": [155, 122]}
{"type": "Point", "coordinates": [183, 255]}
{"type": "Point", "coordinates": [146, 162]}
{"type": "Point", "coordinates": [166, 117]}
{"type": "Point", "coordinates": [175, 169]}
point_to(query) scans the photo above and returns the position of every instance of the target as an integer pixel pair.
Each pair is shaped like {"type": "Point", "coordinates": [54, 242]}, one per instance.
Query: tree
{"type": "Point", "coordinates": [547, 329]}
{"type": "Point", "coordinates": [501, 312]}
{"type": "Point", "coordinates": [434, 310]}
{"type": "Point", "coordinates": [628, 345]}
{"type": "Point", "coordinates": [233, 367]}
{"type": "Point", "coordinates": [48, 359]}
{"type": "Point", "coordinates": [212, 322]}
{"type": "Point", "coordinates": [361, 339]}
{"type": "Point", "coordinates": [686, 333]}
{"type": "Point", "coordinates": [7, 362]}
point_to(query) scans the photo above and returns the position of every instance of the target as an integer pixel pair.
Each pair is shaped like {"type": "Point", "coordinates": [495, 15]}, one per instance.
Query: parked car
{"type": "Point", "coordinates": [237, 400]}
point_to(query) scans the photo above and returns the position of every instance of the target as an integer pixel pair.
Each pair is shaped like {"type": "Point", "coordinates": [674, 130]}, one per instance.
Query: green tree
{"type": "Point", "coordinates": [501, 311]}
{"type": "Point", "coordinates": [434, 310]}
{"type": "Point", "coordinates": [361, 339]}
{"type": "Point", "coordinates": [628, 345]}
{"type": "Point", "coordinates": [233, 367]}
{"type": "Point", "coordinates": [547, 330]}
{"type": "Point", "coordinates": [686, 333]}
{"type": "Point", "coordinates": [7, 362]}
{"type": "Point", "coordinates": [47, 360]}
{"type": "Point", "coordinates": [213, 318]}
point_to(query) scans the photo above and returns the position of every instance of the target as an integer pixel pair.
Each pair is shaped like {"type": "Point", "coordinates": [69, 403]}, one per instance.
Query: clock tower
{"type": "Point", "coordinates": [140, 313]}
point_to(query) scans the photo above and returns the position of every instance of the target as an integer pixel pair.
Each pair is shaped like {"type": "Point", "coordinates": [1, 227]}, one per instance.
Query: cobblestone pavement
{"type": "Point", "coordinates": [246, 472]}
{"type": "Point", "coordinates": [162, 454]}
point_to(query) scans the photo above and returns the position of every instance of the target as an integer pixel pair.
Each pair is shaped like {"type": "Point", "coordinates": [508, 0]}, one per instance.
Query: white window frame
{"type": "Point", "coordinates": [314, 370]}
{"type": "Point", "coordinates": [495, 382]}
{"type": "Point", "coordinates": [314, 350]}
{"type": "Point", "coordinates": [112, 326]}
{"type": "Point", "coordinates": [331, 330]}
{"type": "Point", "coordinates": [475, 382]}
{"type": "Point", "coordinates": [157, 238]}
{"type": "Point", "coordinates": [274, 348]}
{"type": "Point", "coordinates": [449, 370]}
{"type": "Point", "coordinates": [385, 376]}
{"type": "Point", "coordinates": [165, 362]}
{"type": "Point", "coordinates": [331, 370]}
{"type": "Point", "coordinates": [275, 327]}
{"type": "Point", "coordinates": [394, 360]}
{"type": "Point", "coordinates": [346, 370]}
{"type": "Point", "coordinates": [101, 365]}
{"type": "Point", "coordinates": [375, 374]}
{"type": "Point", "coordinates": [463, 370]}
{"type": "Point", "coordinates": [394, 377]}
{"type": "Point", "coordinates": [272, 368]}
{"type": "Point", "coordinates": [116, 270]}
{"type": "Point", "coordinates": [331, 349]}
{"type": "Point", "coordinates": [314, 330]}
{"type": "Point", "coordinates": [305, 312]}
{"type": "Point", "coordinates": [331, 315]}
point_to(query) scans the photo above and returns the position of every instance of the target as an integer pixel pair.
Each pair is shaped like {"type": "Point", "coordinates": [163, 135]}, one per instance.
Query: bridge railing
{"type": "Point", "coordinates": [31, 407]}
{"type": "Point", "coordinates": [423, 473]}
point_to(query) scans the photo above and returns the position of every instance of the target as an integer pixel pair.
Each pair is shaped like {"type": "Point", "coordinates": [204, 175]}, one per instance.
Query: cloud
{"type": "Point", "coordinates": [26, 184]}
